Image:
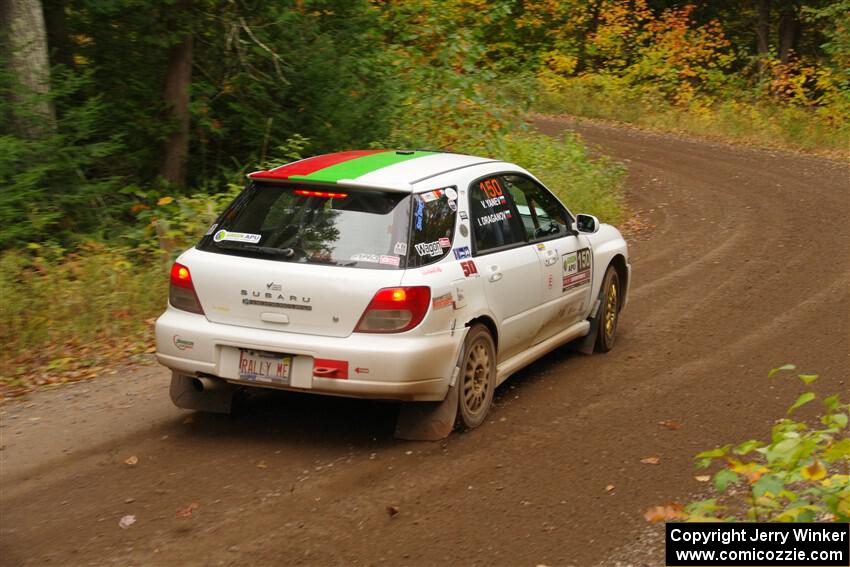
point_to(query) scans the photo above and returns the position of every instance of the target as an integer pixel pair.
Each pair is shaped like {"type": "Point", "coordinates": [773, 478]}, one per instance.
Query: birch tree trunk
{"type": "Point", "coordinates": [22, 24]}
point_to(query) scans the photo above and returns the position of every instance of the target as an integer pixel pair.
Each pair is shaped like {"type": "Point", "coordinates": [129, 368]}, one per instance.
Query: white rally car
{"type": "Point", "coordinates": [401, 275]}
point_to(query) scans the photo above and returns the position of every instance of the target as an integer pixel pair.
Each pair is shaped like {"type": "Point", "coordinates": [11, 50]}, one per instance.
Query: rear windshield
{"type": "Point", "coordinates": [315, 225]}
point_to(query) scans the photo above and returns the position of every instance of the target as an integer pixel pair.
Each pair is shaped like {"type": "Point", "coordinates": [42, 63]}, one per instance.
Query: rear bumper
{"type": "Point", "coordinates": [394, 367]}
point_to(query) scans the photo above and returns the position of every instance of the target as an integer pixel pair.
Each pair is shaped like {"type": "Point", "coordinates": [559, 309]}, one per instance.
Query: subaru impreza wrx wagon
{"type": "Point", "coordinates": [401, 275]}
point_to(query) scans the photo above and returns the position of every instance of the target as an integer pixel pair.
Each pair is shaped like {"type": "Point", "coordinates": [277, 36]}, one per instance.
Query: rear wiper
{"type": "Point", "coordinates": [286, 252]}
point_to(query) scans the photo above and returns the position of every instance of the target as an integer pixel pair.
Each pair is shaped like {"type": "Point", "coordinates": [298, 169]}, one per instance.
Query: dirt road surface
{"type": "Point", "coordinates": [746, 268]}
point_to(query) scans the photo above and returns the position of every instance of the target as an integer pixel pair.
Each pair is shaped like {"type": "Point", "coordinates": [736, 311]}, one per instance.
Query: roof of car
{"type": "Point", "coordinates": [395, 170]}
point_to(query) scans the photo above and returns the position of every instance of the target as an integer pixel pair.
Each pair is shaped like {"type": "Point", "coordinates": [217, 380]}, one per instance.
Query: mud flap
{"type": "Point", "coordinates": [215, 397]}
{"type": "Point", "coordinates": [427, 421]}
{"type": "Point", "coordinates": [588, 344]}
{"type": "Point", "coordinates": [430, 421]}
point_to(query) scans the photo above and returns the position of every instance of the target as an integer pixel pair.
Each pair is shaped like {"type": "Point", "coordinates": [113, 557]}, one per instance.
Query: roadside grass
{"type": "Point", "coordinates": [72, 315]}
{"type": "Point", "coordinates": [823, 131]}
{"type": "Point", "coordinates": [69, 316]}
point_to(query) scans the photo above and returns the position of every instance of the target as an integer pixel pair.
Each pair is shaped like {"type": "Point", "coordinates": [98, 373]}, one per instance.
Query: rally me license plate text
{"type": "Point", "coordinates": [262, 366]}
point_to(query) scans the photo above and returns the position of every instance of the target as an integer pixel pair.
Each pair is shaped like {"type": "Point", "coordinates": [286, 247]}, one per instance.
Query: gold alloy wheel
{"type": "Point", "coordinates": [476, 378]}
{"type": "Point", "coordinates": [611, 310]}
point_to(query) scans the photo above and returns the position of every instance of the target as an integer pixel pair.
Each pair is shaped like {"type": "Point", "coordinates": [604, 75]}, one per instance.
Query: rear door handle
{"type": "Point", "coordinates": [495, 274]}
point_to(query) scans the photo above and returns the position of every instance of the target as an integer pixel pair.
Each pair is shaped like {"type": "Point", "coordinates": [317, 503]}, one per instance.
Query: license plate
{"type": "Point", "coordinates": [262, 366]}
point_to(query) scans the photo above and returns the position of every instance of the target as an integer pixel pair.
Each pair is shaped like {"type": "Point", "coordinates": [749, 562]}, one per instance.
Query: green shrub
{"type": "Point", "coordinates": [802, 474]}
{"type": "Point", "coordinates": [60, 185]}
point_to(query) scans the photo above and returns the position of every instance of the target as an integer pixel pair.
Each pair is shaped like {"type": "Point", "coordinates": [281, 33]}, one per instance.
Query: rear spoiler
{"type": "Point", "coordinates": [350, 183]}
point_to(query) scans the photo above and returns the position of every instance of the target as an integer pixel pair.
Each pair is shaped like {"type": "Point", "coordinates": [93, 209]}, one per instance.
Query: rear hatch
{"type": "Point", "coordinates": [300, 258]}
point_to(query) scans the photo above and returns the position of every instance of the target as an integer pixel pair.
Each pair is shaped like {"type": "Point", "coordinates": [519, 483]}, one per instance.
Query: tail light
{"type": "Point", "coordinates": [395, 310]}
{"type": "Point", "coordinates": [181, 292]}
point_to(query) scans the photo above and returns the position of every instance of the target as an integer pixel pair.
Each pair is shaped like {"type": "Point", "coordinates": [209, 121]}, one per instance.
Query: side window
{"type": "Point", "coordinates": [542, 216]}
{"type": "Point", "coordinates": [495, 222]}
{"type": "Point", "coordinates": [432, 226]}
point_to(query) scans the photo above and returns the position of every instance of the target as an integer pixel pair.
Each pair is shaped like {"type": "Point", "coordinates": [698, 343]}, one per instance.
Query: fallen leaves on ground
{"type": "Point", "coordinates": [609, 488]}
{"type": "Point", "coordinates": [670, 424]}
{"type": "Point", "coordinates": [651, 460]}
{"type": "Point", "coordinates": [126, 521]}
{"type": "Point", "coordinates": [392, 511]}
{"type": "Point", "coordinates": [132, 461]}
{"type": "Point", "coordinates": [186, 511]}
{"type": "Point", "coordinates": [672, 511]}
{"type": "Point", "coordinates": [262, 465]}
{"type": "Point", "coordinates": [703, 477]}
{"type": "Point", "coordinates": [55, 363]}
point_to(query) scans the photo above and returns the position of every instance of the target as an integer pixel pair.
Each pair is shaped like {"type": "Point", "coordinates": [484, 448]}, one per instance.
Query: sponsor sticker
{"type": "Point", "coordinates": [430, 196]}
{"type": "Point", "coordinates": [236, 236]}
{"type": "Point", "coordinates": [576, 267]}
{"type": "Point", "coordinates": [182, 344]}
{"type": "Point", "coordinates": [432, 270]}
{"type": "Point", "coordinates": [365, 258]}
{"type": "Point", "coordinates": [400, 248]}
{"type": "Point", "coordinates": [211, 229]}
{"type": "Point", "coordinates": [453, 205]}
{"type": "Point", "coordinates": [462, 253]}
{"type": "Point", "coordinates": [451, 194]}
{"type": "Point", "coordinates": [445, 242]}
{"type": "Point", "coordinates": [429, 249]}
{"type": "Point", "coordinates": [441, 301]}
{"type": "Point", "coordinates": [463, 230]}
{"type": "Point", "coordinates": [463, 215]}
{"type": "Point", "coordinates": [570, 264]}
{"type": "Point", "coordinates": [541, 246]}
{"type": "Point", "coordinates": [389, 260]}
{"type": "Point", "coordinates": [420, 212]}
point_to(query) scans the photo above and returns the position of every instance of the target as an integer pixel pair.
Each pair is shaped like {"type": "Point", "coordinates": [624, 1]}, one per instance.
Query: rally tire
{"type": "Point", "coordinates": [609, 310]}
{"type": "Point", "coordinates": [477, 378]}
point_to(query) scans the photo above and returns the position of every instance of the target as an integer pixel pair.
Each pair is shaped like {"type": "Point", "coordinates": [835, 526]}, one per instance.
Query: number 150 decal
{"type": "Point", "coordinates": [576, 268]}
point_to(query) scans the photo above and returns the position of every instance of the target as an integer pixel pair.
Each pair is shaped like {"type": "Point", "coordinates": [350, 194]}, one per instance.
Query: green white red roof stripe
{"type": "Point", "coordinates": [332, 168]}
{"type": "Point", "coordinates": [387, 169]}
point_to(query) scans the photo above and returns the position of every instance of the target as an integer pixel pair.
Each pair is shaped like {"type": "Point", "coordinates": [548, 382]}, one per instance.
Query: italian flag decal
{"type": "Point", "coordinates": [332, 168]}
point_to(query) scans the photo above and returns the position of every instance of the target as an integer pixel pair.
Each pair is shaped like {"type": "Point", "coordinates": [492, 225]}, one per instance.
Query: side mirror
{"type": "Point", "coordinates": [587, 223]}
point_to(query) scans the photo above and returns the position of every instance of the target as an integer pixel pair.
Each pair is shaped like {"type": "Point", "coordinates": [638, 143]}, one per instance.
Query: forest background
{"type": "Point", "coordinates": [126, 125]}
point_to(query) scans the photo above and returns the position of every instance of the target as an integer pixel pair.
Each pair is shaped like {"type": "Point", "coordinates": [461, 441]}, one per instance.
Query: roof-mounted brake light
{"type": "Point", "coordinates": [322, 194]}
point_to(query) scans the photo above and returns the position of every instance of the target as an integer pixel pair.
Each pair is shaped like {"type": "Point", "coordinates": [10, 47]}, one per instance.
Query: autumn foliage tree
{"type": "Point", "coordinates": [178, 96]}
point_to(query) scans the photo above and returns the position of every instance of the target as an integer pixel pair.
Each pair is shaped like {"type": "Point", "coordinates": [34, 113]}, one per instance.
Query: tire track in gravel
{"type": "Point", "coordinates": [746, 268]}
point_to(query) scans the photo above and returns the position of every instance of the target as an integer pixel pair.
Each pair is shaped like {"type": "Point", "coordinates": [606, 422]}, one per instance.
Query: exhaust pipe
{"type": "Point", "coordinates": [201, 393]}
{"type": "Point", "coordinates": [203, 383]}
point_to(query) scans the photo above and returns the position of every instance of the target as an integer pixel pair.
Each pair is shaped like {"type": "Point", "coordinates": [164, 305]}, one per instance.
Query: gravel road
{"type": "Point", "coordinates": [746, 266]}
